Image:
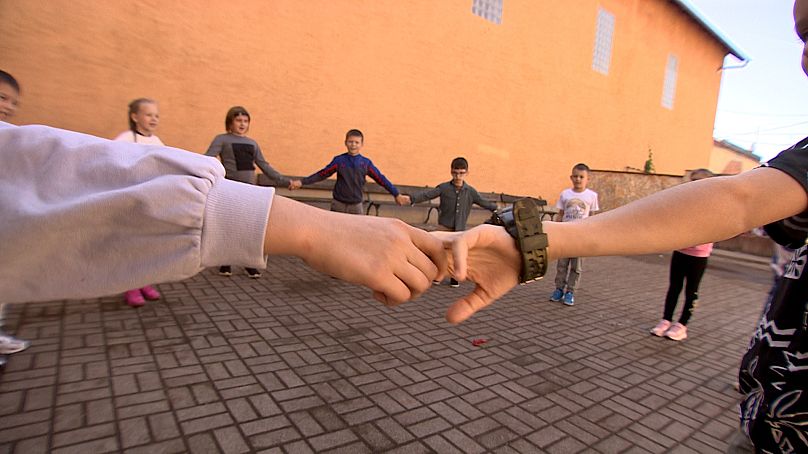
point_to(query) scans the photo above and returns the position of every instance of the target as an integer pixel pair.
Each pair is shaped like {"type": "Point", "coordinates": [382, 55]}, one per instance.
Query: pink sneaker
{"type": "Point", "coordinates": [676, 332]}
{"type": "Point", "coordinates": [660, 328]}
{"type": "Point", "coordinates": [134, 298]}
{"type": "Point", "coordinates": [150, 293]}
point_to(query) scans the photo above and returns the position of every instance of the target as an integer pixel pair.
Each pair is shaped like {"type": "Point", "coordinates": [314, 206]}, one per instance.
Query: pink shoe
{"type": "Point", "coordinates": [676, 332]}
{"type": "Point", "coordinates": [134, 298]}
{"type": "Point", "coordinates": [150, 293]}
{"type": "Point", "coordinates": [660, 328]}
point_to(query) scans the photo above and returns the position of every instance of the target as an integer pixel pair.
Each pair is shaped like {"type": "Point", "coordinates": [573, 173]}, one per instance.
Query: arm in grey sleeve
{"type": "Point", "coordinates": [429, 194]}
{"type": "Point", "coordinates": [485, 203]}
{"type": "Point", "coordinates": [82, 216]}
{"type": "Point", "coordinates": [273, 174]}
{"type": "Point", "coordinates": [215, 147]}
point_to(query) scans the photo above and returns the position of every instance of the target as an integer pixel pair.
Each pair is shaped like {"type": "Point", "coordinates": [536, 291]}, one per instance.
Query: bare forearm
{"type": "Point", "coordinates": [287, 230]}
{"type": "Point", "coordinates": [396, 261]}
{"type": "Point", "coordinates": [694, 213]}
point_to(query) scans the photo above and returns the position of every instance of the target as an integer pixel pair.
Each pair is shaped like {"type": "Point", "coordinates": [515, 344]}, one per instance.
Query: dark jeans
{"type": "Point", "coordinates": [684, 268]}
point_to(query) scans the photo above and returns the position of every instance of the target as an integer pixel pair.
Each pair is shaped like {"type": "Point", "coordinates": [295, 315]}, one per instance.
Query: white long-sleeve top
{"type": "Point", "coordinates": [82, 216]}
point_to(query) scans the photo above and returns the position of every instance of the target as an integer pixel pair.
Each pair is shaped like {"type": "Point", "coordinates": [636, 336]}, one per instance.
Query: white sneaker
{"type": "Point", "coordinates": [661, 327]}
{"type": "Point", "coordinates": [9, 344]}
{"type": "Point", "coordinates": [676, 332]}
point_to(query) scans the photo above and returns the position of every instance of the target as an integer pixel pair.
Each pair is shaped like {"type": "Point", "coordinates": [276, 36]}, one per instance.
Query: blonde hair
{"type": "Point", "coordinates": [134, 107]}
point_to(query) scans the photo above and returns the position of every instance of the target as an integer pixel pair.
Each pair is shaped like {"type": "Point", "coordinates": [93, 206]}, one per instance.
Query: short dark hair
{"type": "Point", "coordinates": [707, 173]}
{"type": "Point", "coordinates": [460, 163]}
{"type": "Point", "coordinates": [134, 107]}
{"type": "Point", "coordinates": [581, 167]}
{"type": "Point", "coordinates": [9, 79]}
{"type": "Point", "coordinates": [355, 133]}
{"type": "Point", "coordinates": [232, 114]}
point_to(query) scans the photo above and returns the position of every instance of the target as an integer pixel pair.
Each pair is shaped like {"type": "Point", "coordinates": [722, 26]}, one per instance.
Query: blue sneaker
{"type": "Point", "coordinates": [569, 299]}
{"type": "Point", "coordinates": [557, 295]}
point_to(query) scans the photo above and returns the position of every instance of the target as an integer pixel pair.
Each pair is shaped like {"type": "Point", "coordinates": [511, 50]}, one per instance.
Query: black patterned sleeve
{"type": "Point", "coordinates": [791, 232]}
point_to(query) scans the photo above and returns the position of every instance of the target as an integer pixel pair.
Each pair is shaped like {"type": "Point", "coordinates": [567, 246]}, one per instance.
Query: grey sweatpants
{"type": "Point", "coordinates": [350, 208]}
{"type": "Point", "coordinates": [568, 273]}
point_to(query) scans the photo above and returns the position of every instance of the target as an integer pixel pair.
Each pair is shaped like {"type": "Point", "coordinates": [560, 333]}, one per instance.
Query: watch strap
{"type": "Point", "coordinates": [523, 223]}
{"type": "Point", "coordinates": [531, 239]}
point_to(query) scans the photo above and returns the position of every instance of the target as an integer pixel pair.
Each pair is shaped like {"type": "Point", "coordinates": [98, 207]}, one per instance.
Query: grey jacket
{"type": "Point", "coordinates": [239, 157]}
{"type": "Point", "coordinates": [455, 205]}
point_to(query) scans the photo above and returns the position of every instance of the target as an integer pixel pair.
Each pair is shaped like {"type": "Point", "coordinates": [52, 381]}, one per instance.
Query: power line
{"type": "Point", "coordinates": [779, 144]}
{"type": "Point", "coordinates": [757, 114]}
{"type": "Point", "coordinates": [770, 129]}
{"type": "Point", "coordinates": [755, 142]}
{"type": "Point", "coordinates": [765, 134]}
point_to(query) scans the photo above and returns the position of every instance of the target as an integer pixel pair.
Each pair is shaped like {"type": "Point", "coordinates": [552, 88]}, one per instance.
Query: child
{"type": "Point", "coordinates": [240, 155]}
{"type": "Point", "coordinates": [351, 168]}
{"type": "Point", "coordinates": [456, 198]}
{"type": "Point", "coordinates": [144, 118]}
{"type": "Point", "coordinates": [143, 121]}
{"type": "Point", "coordinates": [9, 100]}
{"type": "Point", "coordinates": [573, 204]}
{"type": "Point", "coordinates": [686, 264]}
{"type": "Point", "coordinates": [9, 95]}
{"type": "Point", "coordinates": [774, 375]}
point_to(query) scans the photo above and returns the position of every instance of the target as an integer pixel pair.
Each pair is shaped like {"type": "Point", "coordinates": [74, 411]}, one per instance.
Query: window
{"type": "Point", "coordinates": [488, 9]}
{"type": "Point", "coordinates": [603, 41]}
{"type": "Point", "coordinates": [669, 86]}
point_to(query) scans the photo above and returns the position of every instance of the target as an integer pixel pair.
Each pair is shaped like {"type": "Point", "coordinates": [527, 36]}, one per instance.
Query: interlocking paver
{"type": "Point", "coordinates": [299, 362]}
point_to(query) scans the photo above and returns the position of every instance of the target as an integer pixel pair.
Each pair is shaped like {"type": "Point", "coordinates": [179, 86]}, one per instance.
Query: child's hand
{"type": "Point", "coordinates": [486, 255]}
{"type": "Point", "coordinates": [402, 199]}
{"type": "Point", "coordinates": [398, 262]}
{"type": "Point", "coordinates": [295, 184]}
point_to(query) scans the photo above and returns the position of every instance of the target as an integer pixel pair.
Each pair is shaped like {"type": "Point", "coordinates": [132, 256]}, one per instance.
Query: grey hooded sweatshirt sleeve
{"type": "Point", "coordinates": [82, 216]}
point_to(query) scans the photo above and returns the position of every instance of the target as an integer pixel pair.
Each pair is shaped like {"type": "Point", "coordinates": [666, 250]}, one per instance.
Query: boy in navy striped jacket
{"type": "Point", "coordinates": [351, 168]}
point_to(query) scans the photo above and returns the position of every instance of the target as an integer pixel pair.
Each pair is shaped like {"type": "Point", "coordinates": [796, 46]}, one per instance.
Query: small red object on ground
{"type": "Point", "coordinates": [478, 342]}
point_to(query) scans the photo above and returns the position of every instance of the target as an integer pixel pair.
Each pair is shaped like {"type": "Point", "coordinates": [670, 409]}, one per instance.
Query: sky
{"type": "Point", "coordinates": [762, 106]}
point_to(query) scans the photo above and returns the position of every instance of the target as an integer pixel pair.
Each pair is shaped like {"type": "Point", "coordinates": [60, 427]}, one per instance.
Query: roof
{"type": "Point", "coordinates": [716, 33]}
{"type": "Point", "coordinates": [739, 150]}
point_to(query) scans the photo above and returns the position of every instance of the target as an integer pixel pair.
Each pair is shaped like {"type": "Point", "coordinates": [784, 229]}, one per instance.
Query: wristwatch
{"type": "Point", "coordinates": [523, 223]}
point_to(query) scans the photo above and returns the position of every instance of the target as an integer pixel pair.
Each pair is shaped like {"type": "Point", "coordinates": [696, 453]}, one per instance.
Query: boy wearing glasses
{"type": "Point", "coordinates": [456, 198]}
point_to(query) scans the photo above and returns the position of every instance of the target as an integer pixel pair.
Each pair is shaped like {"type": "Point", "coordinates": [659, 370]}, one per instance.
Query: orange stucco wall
{"type": "Point", "coordinates": [723, 160]}
{"type": "Point", "coordinates": [425, 80]}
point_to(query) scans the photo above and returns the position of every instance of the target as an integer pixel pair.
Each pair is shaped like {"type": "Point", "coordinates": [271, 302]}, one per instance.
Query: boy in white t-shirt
{"type": "Point", "coordinates": [573, 204]}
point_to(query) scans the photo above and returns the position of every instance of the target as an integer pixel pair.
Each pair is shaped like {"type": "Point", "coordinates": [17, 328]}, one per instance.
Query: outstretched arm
{"type": "Point", "coordinates": [378, 177]}
{"type": "Point", "coordinates": [694, 213]}
{"type": "Point", "coordinates": [321, 174]}
{"type": "Point", "coordinates": [215, 147]}
{"type": "Point", "coordinates": [268, 170]}
{"type": "Point", "coordinates": [698, 212]}
{"type": "Point", "coordinates": [396, 261]}
{"type": "Point", "coordinates": [485, 203]}
{"type": "Point", "coordinates": [427, 194]}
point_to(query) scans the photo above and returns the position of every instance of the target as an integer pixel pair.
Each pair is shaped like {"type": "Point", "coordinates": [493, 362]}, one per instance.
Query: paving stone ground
{"type": "Point", "coordinates": [297, 362]}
